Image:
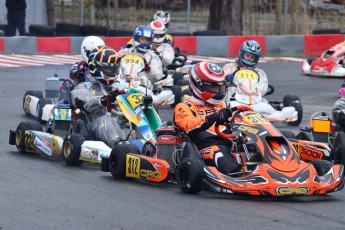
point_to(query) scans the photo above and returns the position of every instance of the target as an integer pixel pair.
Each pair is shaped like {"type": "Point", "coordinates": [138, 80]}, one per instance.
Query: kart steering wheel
{"type": "Point", "coordinates": [236, 109]}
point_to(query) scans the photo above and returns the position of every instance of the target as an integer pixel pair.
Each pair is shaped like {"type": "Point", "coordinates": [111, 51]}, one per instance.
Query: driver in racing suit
{"type": "Point", "coordinates": [248, 58]}
{"type": "Point", "coordinates": [143, 38]}
{"type": "Point", "coordinates": [197, 116]}
{"type": "Point", "coordinates": [79, 70]}
{"type": "Point", "coordinates": [92, 96]}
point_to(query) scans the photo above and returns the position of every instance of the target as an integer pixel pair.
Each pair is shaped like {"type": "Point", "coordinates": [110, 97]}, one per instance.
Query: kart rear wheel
{"type": "Point", "coordinates": [40, 105]}
{"type": "Point", "coordinates": [20, 133]}
{"type": "Point", "coordinates": [35, 93]}
{"type": "Point", "coordinates": [71, 149]}
{"type": "Point", "coordinates": [321, 166]}
{"type": "Point", "coordinates": [339, 148]}
{"type": "Point", "coordinates": [189, 175]}
{"type": "Point", "coordinates": [117, 159]}
{"type": "Point", "coordinates": [288, 134]}
{"type": "Point", "coordinates": [298, 107]}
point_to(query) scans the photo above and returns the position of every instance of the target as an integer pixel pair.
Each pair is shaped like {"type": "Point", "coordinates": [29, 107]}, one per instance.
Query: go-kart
{"type": "Point", "coordinates": [133, 112]}
{"type": "Point", "coordinates": [163, 92]}
{"type": "Point", "coordinates": [324, 139]}
{"type": "Point", "coordinates": [270, 164]}
{"type": "Point", "coordinates": [57, 90]}
{"type": "Point", "coordinates": [246, 92]}
{"type": "Point", "coordinates": [330, 63]}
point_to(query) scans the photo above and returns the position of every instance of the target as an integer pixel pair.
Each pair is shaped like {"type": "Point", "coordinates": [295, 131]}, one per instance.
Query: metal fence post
{"type": "Point", "coordinates": [82, 13]}
{"type": "Point", "coordinates": [188, 16]}
{"type": "Point", "coordinates": [286, 7]}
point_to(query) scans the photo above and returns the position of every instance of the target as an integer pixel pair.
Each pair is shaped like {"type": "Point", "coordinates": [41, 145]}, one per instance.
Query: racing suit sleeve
{"type": "Point", "coordinates": [188, 121]}
{"type": "Point", "coordinates": [90, 102]}
{"type": "Point", "coordinates": [263, 82]}
{"type": "Point", "coordinates": [168, 54]}
{"type": "Point", "coordinates": [155, 73]}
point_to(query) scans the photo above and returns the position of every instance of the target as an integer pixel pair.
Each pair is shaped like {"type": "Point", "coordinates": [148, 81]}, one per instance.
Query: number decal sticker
{"type": "Point", "coordinates": [247, 74]}
{"type": "Point", "coordinates": [255, 119]}
{"type": "Point", "coordinates": [132, 166]}
{"type": "Point", "coordinates": [132, 59]}
{"type": "Point", "coordinates": [135, 99]}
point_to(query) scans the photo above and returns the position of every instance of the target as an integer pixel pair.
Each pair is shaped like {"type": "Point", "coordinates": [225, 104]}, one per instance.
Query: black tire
{"type": "Point", "coordinates": [288, 134]}
{"type": "Point", "coordinates": [270, 90]}
{"type": "Point", "coordinates": [298, 107]}
{"type": "Point", "coordinates": [67, 29]}
{"type": "Point", "coordinates": [304, 136]}
{"type": "Point", "coordinates": [117, 159]}
{"type": "Point", "coordinates": [326, 31]}
{"type": "Point", "coordinates": [88, 30]}
{"type": "Point", "coordinates": [20, 133]}
{"type": "Point", "coordinates": [120, 33]}
{"type": "Point", "coordinates": [189, 175]}
{"type": "Point", "coordinates": [42, 30]}
{"type": "Point", "coordinates": [177, 91]}
{"type": "Point", "coordinates": [339, 148]}
{"type": "Point", "coordinates": [207, 33]}
{"type": "Point", "coordinates": [321, 166]}
{"type": "Point", "coordinates": [35, 93]}
{"type": "Point", "coordinates": [288, 99]}
{"type": "Point", "coordinates": [71, 149]}
{"type": "Point", "coordinates": [310, 60]}
{"type": "Point", "coordinates": [41, 103]}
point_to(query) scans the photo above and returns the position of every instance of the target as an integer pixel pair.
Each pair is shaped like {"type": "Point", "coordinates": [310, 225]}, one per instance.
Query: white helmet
{"type": "Point", "coordinates": [159, 32]}
{"type": "Point", "coordinates": [163, 17]}
{"type": "Point", "coordinates": [88, 44]}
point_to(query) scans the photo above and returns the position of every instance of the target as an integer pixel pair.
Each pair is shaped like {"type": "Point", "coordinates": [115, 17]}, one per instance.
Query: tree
{"type": "Point", "coordinates": [226, 16]}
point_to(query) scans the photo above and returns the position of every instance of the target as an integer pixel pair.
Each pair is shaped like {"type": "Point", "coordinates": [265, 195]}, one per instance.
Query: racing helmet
{"type": "Point", "coordinates": [207, 82]}
{"type": "Point", "coordinates": [249, 54]}
{"type": "Point", "coordinates": [143, 38]}
{"type": "Point", "coordinates": [341, 92]}
{"type": "Point", "coordinates": [163, 17]}
{"type": "Point", "coordinates": [88, 44]}
{"type": "Point", "coordinates": [159, 32]}
{"type": "Point", "coordinates": [103, 64]}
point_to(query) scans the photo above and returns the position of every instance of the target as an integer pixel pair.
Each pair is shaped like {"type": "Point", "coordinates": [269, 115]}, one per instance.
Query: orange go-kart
{"type": "Point", "coordinates": [271, 165]}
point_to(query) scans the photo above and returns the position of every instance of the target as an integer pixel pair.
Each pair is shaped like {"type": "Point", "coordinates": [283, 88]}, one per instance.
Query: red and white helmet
{"type": "Point", "coordinates": [163, 17]}
{"type": "Point", "coordinates": [159, 32]}
{"type": "Point", "coordinates": [207, 82]}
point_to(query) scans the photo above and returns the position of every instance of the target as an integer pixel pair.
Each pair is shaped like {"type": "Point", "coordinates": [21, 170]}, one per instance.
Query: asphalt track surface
{"type": "Point", "coordinates": [39, 193]}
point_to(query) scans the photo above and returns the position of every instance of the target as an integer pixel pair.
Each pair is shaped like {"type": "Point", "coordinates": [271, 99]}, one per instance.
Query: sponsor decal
{"type": "Point", "coordinates": [248, 129]}
{"type": "Point", "coordinates": [168, 139]}
{"type": "Point", "coordinates": [287, 190]}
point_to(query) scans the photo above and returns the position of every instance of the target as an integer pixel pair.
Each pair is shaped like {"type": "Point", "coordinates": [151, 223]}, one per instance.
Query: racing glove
{"type": "Point", "coordinates": [79, 103]}
{"type": "Point", "coordinates": [219, 116]}
{"type": "Point", "coordinates": [111, 97]}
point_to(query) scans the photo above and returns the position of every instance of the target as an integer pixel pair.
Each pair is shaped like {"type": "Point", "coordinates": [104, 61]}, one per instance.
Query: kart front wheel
{"type": "Point", "coordinates": [40, 105]}
{"type": "Point", "coordinates": [26, 101]}
{"type": "Point", "coordinates": [189, 175]}
{"type": "Point", "coordinates": [20, 134]}
{"type": "Point", "coordinates": [71, 149]}
{"type": "Point", "coordinates": [117, 159]}
{"type": "Point", "coordinates": [321, 166]}
{"type": "Point", "coordinates": [294, 101]}
{"type": "Point", "coordinates": [288, 134]}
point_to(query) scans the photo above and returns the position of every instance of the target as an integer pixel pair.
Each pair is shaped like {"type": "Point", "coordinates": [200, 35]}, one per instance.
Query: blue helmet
{"type": "Point", "coordinates": [143, 37]}
{"type": "Point", "coordinates": [251, 47]}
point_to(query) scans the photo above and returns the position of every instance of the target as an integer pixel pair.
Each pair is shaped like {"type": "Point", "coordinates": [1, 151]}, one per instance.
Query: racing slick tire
{"type": "Point", "coordinates": [294, 101]}
{"type": "Point", "coordinates": [288, 134]}
{"type": "Point", "coordinates": [20, 133]}
{"type": "Point", "coordinates": [117, 159]}
{"type": "Point", "coordinates": [40, 105]}
{"type": "Point", "coordinates": [339, 148]}
{"type": "Point", "coordinates": [189, 175]}
{"type": "Point", "coordinates": [321, 166]}
{"type": "Point", "coordinates": [35, 93]}
{"type": "Point", "coordinates": [71, 149]}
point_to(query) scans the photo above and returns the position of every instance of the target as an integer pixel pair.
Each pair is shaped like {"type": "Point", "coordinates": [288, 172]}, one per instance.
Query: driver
{"type": "Point", "coordinates": [248, 57]}
{"type": "Point", "coordinates": [92, 96]}
{"type": "Point", "coordinates": [143, 38]}
{"type": "Point", "coordinates": [197, 116]}
{"type": "Point", "coordinates": [79, 70]}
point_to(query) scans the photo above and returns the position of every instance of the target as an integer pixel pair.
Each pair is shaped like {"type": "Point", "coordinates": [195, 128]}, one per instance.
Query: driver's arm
{"type": "Point", "coordinates": [188, 120]}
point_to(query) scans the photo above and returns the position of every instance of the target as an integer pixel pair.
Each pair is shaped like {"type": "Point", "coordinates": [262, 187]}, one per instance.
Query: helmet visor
{"type": "Point", "coordinates": [108, 69]}
{"type": "Point", "coordinates": [214, 87]}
